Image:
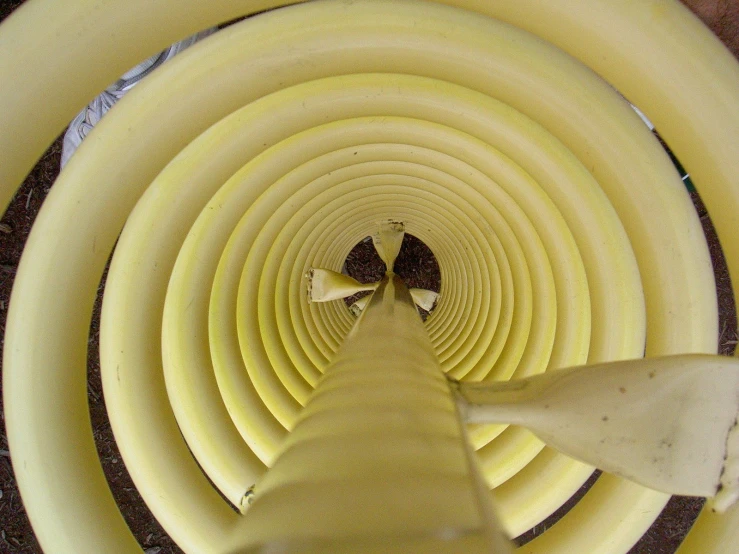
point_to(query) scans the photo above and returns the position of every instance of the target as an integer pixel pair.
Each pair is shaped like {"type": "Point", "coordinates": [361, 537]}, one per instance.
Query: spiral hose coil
{"type": "Point", "coordinates": [563, 233]}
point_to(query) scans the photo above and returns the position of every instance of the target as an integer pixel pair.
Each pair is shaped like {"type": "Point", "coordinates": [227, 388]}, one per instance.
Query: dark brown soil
{"type": "Point", "coordinates": [416, 264]}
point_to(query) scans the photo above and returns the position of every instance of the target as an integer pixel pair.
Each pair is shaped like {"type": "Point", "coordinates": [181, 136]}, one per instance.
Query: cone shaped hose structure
{"type": "Point", "coordinates": [492, 130]}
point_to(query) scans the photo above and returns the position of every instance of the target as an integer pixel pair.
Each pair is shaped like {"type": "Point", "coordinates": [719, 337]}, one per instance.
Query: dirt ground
{"type": "Point", "coordinates": [415, 264]}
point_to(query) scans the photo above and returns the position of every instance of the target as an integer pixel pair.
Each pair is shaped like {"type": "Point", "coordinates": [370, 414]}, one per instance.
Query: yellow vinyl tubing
{"type": "Point", "coordinates": [336, 459]}
{"type": "Point", "coordinates": [388, 208]}
{"type": "Point", "coordinates": [486, 256]}
{"type": "Point", "coordinates": [431, 202]}
{"type": "Point", "coordinates": [220, 201]}
{"type": "Point", "coordinates": [431, 238]}
{"type": "Point", "coordinates": [201, 416]}
{"type": "Point", "coordinates": [268, 296]}
{"type": "Point", "coordinates": [368, 225]}
{"type": "Point", "coordinates": [266, 288]}
{"type": "Point", "coordinates": [448, 250]}
{"type": "Point", "coordinates": [187, 293]}
{"type": "Point", "coordinates": [332, 177]}
{"type": "Point", "coordinates": [355, 221]}
{"type": "Point", "coordinates": [45, 344]}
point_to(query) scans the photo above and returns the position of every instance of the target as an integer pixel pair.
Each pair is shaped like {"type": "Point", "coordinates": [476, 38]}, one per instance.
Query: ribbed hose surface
{"type": "Point", "coordinates": [563, 233]}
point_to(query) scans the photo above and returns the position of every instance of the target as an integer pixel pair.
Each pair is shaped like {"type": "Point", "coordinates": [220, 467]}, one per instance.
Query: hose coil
{"type": "Point", "coordinates": [563, 233]}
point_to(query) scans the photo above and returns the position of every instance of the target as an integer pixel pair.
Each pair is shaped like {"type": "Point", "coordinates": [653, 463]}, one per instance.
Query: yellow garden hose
{"type": "Point", "coordinates": [489, 128]}
{"type": "Point", "coordinates": [326, 493]}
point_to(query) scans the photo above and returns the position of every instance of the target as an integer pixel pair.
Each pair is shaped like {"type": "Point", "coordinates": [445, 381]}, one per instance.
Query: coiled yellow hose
{"type": "Point", "coordinates": [563, 233]}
